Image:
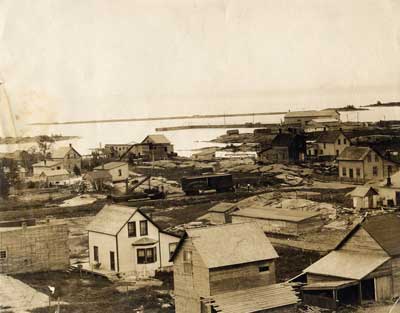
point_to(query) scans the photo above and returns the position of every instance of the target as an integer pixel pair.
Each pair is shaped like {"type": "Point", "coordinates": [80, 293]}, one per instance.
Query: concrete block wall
{"type": "Point", "coordinates": [35, 249]}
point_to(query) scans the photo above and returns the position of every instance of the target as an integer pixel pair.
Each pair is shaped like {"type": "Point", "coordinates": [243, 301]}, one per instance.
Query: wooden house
{"type": "Point", "coordinates": [328, 144]}
{"type": "Point", "coordinates": [321, 124]}
{"type": "Point", "coordinates": [54, 178]}
{"type": "Point", "coordinates": [284, 148]}
{"type": "Point", "coordinates": [360, 164]}
{"type": "Point", "coordinates": [365, 266]}
{"type": "Point", "coordinates": [45, 166]}
{"type": "Point", "coordinates": [279, 221]}
{"type": "Point", "coordinates": [116, 150]}
{"type": "Point", "coordinates": [123, 239]}
{"type": "Point", "coordinates": [389, 190]}
{"type": "Point", "coordinates": [119, 171]}
{"type": "Point", "coordinates": [153, 147]}
{"type": "Point", "coordinates": [233, 259]}
{"type": "Point", "coordinates": [98, 179]}
{"type": "Point", "coordinates": [71, 159]}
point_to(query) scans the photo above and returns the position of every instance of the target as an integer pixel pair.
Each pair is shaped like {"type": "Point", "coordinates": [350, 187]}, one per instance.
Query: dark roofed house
{"type": "Point", "coordinates": [365, 266]}
{"type": "Point", "coordinates": [284, 148]}
{"type": "Point", "coordinates": [360, 164]}
{"type": "Point", "coordinates": [219, 267]}
{"type": "Point", "coordinates": [153, 147]}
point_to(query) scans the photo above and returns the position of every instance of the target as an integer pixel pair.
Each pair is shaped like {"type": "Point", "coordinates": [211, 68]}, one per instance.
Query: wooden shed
{"type": "Point", "coordinates": [365, 266]}
{"type": "Point", "coordinates": [279, 221]}
{"type": "Point", "coordinates": [364, 197]}
{"type": "Point", "coordinates": [220, 213]}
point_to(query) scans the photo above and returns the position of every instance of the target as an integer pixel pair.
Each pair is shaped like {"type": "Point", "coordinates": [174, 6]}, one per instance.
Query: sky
{"type": "Point", "coordinates": [66, 60]}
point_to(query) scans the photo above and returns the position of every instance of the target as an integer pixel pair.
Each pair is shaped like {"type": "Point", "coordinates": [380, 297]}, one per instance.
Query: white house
{"type": "Point", "coordinates": [123, 239]}
{"type": "Point", "coordinates": [45, 166]}
{"type": "Point", "coordinates": [119, 171]}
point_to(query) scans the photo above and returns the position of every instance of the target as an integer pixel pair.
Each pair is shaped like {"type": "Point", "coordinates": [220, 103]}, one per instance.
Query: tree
{"type": "Point", "coordinates": [45, 143]}
{"type": "Point", "coordinates": [4, 184]}
{"type": "Point", "coordinates": [77, 170]}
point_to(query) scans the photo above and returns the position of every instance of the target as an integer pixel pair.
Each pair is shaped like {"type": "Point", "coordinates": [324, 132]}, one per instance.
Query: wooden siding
{"type": "Point", "coordinates": [190, 287]}
{"type": "Point", "coordinates": [396, 276]}
{"type": "Point", "coordinates": [383, 288]}
{"type": "Point", "coordinates": [315, 278]}
{"type": "Point", "coordinates": [362, 242]}
{"type": "Point", "coordinates": [241, 277]}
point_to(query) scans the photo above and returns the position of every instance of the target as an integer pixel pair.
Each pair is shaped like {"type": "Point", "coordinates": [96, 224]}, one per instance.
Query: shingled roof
{"type": "Point", "coordinates": [230, 244]}
{"type": "Point", "coordinates": [156, 139]}
{"type": "Point", "coordinates": [329, 136]}
{"type": "Point", "coordinates": [385, 229]}
{"type": "Point", "coordinates": [354, 153]}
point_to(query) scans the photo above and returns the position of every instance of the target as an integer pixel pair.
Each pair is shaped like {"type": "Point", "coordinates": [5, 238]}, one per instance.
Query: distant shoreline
{"type": "Point", "coordinates": [23, 140]}
{"type": "Point", "coordinates": [163, 118]}
{"type": "Point", "coordinates": [387, 104]}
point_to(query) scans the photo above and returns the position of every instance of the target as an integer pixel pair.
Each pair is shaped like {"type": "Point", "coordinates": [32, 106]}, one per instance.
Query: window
{"type": "Point", "coordinates": [324, 145]}
{"type": "Point", "coordinates": [96, 253]}
{"type": "Point", "coordinates": [321, 152]}
{"type": "Point", "coordinates": [3, 254]}
{"type": "Point", "coordinates": [345, 141]}
{"type": "Point", "coordinates": [358, 172]}
{"type": "Point", "coordinates": [165, 149]}
{"type": "Point", "coordinates": [145, 256]}
{"type": "Point", "coordinates": [263, 269]}
{"type": "Point", "coordinates": [143, 228]}
{"type": "Point", "coordinates": [131, 229]}
{"type": "Point", "coordinates": [119, 172]}
{"type": "Point", "coordinates": [337, 152]}
{"type": "Point", "coordinates": [338, 142]}
{"type": "Point", "coordinates": [369, 158]}
{"type": "Point", "coordinates": [376, 157]}
{"type": "Point", "coordinates": [390, 170]}
{"type": "Point", "coordinates": [172, 247]}
{"type": "Point", "coordinates": [375, 171]}
{"type": "Point", "coordinates": [344, 171]}
{"type": "Point", "coordinates": [187, 262]}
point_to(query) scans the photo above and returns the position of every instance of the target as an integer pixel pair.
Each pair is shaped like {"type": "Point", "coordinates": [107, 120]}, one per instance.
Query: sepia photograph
{"type": "Point", "coordinates": [199, 156]}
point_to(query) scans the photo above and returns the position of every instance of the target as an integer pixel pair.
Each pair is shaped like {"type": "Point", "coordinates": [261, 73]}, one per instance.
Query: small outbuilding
{"type": "Point", "coordinates": [220, 213]}
{"type": "Point", "coordinates": [55, 177]}
{"type": "Point", "coordinates": [364, 197]}
{"type": "Point", "coordinates": [279, 221]}
{"type": "Point", "coordinates": [98, 179]}
{"type": "Point", "coordinates": [119, 171]}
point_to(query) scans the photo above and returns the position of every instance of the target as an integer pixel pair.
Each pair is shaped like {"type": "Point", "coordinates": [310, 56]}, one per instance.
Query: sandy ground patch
{"type": "Point", "coordinates": [19, 297]}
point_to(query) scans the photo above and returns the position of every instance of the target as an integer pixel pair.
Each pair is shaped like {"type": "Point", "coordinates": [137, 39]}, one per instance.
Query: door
{"type": "Point", "coordinates": [112, 260]}
{"type": "Point", "coordinates": [351, 173]}
{"type": "Point", "coordinates": [383, 288]}
{"type": "Point", "coordinates": [397, 198]}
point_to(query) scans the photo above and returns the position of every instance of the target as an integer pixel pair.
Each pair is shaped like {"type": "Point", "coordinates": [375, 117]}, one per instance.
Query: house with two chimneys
{"type": "Point", "coordinates": [153, 147]}
{"type": "Point", "coordinates": [361, 164]}
{"type": "Point", "coordinates": [364, 267]}
{"type": "Point", "coordinates": [228, 268]}
{"type": "Point", "coordinates": [123, 239]}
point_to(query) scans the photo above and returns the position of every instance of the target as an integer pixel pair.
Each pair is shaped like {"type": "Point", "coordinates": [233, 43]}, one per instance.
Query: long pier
{"type": "Point", "coordinates": [210, 126]}
{"type": "Point", "coordinates": [161, 118]}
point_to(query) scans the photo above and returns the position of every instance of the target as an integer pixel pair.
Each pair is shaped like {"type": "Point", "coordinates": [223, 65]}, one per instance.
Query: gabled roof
{"type": "Point", "coordinates": [329, 136]}
{"type": "Point", "coordinates": [347, 264]}
{"type": "Point", "coordinates": [257, 299]}
{"type": "Point", "coordinates": [385, 229]}
{"type": "Point", "coordinates": [48, 163]}
{"type": "Point", "coordinates": [312, 113]}
{"type": "Point", "coordinates": [230, 244]}
{"type": "Point", "coordinates": [110, 166]}
{"type": "Point", "coordinates": [111, 219]}
{"type": "Point", "coordinates": [354, 153]}
{"type": "Point", "coordinates": [60, 152]}
{"type": "Point", "coordinates": [55, 173]}
{"type": "Point", "coordinates": [157, 139]}
{"type": "Point", "coordinates": [363, 191]}
{"type": "Point", "coordinates": [275, 214]}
